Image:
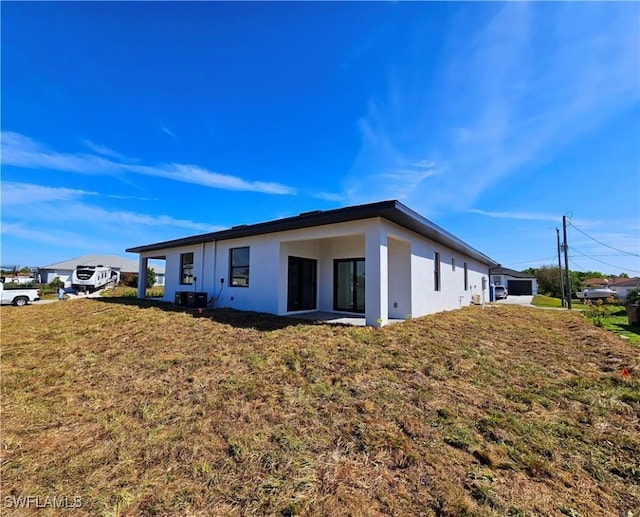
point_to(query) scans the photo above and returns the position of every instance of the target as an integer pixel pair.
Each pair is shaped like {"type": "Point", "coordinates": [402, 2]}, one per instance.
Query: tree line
{"type": "Point", "coordinates": [549, 279]}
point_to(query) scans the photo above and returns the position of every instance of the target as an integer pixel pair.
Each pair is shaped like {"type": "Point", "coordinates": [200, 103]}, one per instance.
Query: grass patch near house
{"type": "Point", "coordinates": [541, 300]}
{"type": "Point", "coordinates": [617, 321]}
{"type": "Point", "coordinates": [612, 317]}
{"type": "Point", "coordinates": [144, 409]}
{"type": "Point", "coordinates": [120, 291]}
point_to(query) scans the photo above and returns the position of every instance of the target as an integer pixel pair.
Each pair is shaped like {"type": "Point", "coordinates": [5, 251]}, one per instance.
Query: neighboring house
{"type": "Point", "coordinates": [160, 275]}
{"type": "Point", "coordinates": [623, 285]}
{"type": "Point", "coordinates": [596, 282]}
{"type": "Point", "coordinates": [516, 282]}
{"type": "Point", "coordinates": [21, 278]}
{"type": "Point", "coordinates": [63, 270]}
{"type": "Point", "coordinates": [382, 261]}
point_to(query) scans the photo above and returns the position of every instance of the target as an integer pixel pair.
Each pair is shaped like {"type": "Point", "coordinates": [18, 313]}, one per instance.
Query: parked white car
{"type": "Point", "coordinates": [501, 292]}
{"type": "Point", "coordinates": [18, 297]}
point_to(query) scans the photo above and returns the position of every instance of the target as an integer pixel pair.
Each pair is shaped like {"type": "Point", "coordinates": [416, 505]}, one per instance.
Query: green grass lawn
{"type": "Point", "coordinates": [541, 300]}
{"type": "Point", "coordinates": [610, 317]}
{"type": "Point", "coordinates": [618, 322]}
{"type": "Point", "coordinates": [132, 292]}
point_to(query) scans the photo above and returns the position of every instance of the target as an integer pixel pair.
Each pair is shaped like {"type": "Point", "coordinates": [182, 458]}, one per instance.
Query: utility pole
{"type": "Point", "coordinates": [566, 260]}
{"type": "Point", "coordinates": [564, 302]}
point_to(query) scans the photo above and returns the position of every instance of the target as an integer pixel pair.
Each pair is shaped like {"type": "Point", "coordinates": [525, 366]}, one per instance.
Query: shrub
{"type": "Point", "coordinates": [129, 279]}
{"type": "Point", "coordinates": [55, 283]}
{"type": "Point", "coordinates": [596, 312]}
{"type": "Point", "coordinates": [633, 297]}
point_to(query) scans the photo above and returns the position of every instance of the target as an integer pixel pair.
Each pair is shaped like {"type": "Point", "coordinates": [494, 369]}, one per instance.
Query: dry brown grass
{"type": "Point", "coordinates": [146, 411]}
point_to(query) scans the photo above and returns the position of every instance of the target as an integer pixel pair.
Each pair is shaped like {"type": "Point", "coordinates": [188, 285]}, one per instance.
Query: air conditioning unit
{"type": "Point", "coordinates": [197, 299]}
{"type": "Point", "coordinates": [181, 298]}
{"type": "Point", "coordinates": [476, 299]}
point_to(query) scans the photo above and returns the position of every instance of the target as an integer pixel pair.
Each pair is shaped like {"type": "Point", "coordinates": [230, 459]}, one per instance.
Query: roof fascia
{"type": "Point", "coordinates": [391, 210]}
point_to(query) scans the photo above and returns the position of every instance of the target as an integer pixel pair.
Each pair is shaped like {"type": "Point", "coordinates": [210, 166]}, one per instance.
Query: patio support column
{"type": "Point", "coordinates": [376, 277]}
{"type": "Point", "coordinates": [142, 276]}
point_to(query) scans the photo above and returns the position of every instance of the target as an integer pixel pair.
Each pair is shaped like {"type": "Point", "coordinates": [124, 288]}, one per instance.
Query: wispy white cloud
{"type": "Point", "coordinates": [513, 94]}
{"type": "Point", "coordinates": [329, 196]}
{"type": "Point", "coordinates": [402, 182]}
{"type": "Point", "coordinates": [529, 216]}
{"type": "Point", "coordinates": [199, 176]}
{"type": "Point", "coordinates": [167, 131]}
{"type": "Point", "coordinates": [66, 221]}
{"type": "Point", "coordinates": [21, 151]}
{"type": "Point", "coordinates": [118, 196]}
{"type": "Point", "coordinates": [105, 151]}
{"type": "Point", "coordinates": [16, 193]}
{"type": "Point", "coordinates": [27, 193]}
{"type": "Point", "coordinates": [63, 205]}
{"type": "Point", "coordinates": [627, 242]}
{"type": "Point", "coordinates": [52, 237]}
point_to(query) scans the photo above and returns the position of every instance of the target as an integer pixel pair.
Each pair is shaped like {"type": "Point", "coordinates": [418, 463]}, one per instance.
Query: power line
{"type": "Point", "coordinates": [573, 248]}
{"type": "Point", "coordinates": [578, 266]}
{"type": "Point", "coordinates": [607, 255]}
{"type": "Point", "coordinates": [527, 261]}
{"type": "Point", "coordinates": [603, 244]}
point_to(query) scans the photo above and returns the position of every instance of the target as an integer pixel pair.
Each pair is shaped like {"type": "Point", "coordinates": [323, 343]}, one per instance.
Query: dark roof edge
{"type": "Point", "coordinates": [305, 220]}
{"type": "Point", "coordinates": [436, 233]}
{"type": "Point", "coordinates": [511, 272]}
{"type": "Point", "coordinates": [391, 210]}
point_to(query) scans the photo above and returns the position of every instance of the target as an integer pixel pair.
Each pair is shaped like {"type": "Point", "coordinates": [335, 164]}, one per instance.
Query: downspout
{"type": "Point", "coordinates": [202, 269]}
{"type": "Point", "coordinates": [215, 257]}
{"type": "Point", "coordinates": [489, 283]}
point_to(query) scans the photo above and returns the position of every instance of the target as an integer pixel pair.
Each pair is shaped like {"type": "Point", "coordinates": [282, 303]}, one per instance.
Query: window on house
{"type": "Point", "coordinates": [453, 264]}
{"type": "Point", "coordinates": [186, 268]}
{"type": "Point", "coordinates": [497, 280]}
{"type": "Point", "coordinates": [466, 277]}
{"type": "Point", "coordinates": [239, 267]}
{"type": "Point", "coordinates": [436, 271]}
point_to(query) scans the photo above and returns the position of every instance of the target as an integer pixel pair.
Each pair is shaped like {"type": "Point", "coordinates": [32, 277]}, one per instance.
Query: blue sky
{"type": "Point", "coordinates": [130, 123]}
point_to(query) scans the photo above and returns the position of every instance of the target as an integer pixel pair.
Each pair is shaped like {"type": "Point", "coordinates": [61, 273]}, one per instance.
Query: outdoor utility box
{"type": "Point", "coordinates": [633, 314]}
{"type": "Point", "coordinates": [181, 298]}
{"type": "Point", "coordinates": [196, 299]}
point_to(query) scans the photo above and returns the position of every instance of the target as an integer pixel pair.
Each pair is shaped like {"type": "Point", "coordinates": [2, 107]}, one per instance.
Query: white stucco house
{"type": "Point", "coordinates": [516, 282]}
{"type": "Point", "coordinates": [381, 260]}
{"type": "Point", "coordinates": [623, 285]}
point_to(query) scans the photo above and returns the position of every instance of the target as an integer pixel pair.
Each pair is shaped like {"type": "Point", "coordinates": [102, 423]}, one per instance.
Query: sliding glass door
{"type": "Point", "coordinates": [301, 284]}
{"type": "Point", "coordinates": [348, 285]}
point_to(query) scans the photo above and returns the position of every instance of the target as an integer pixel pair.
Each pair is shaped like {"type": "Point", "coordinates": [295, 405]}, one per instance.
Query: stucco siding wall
{"type": "Point", "coordinates": [268, 266]}
{"type": "Point", "coordinates": [264, 274]}
{"type": "Point", "coordinates": [346, 247]}
{"type": "Point", "coordinates": [409, 256]}
{"type": "Point", "coordinates": [452, 295]}
{"type": "Point", "coordinates": [400, 274]}
{"type": "Point", "coordinates": [172, 270]}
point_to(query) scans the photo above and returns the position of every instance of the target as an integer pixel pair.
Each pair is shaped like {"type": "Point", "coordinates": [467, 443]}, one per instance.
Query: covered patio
{"type": "Point", "coordinates": [362, 278]}
{"type": "Point", "coordinates": [338, 319]}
